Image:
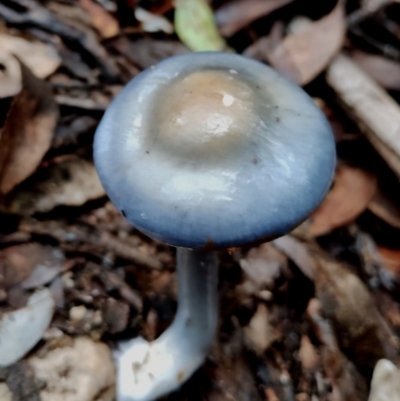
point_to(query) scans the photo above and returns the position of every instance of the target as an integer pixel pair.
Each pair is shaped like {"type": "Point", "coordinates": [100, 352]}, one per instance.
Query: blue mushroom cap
{"type": "Point", "coordinates": [214, 150]}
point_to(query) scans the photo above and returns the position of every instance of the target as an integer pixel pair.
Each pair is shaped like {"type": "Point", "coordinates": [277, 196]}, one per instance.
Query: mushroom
{"type": "Point", "coordinates": [205, 151]}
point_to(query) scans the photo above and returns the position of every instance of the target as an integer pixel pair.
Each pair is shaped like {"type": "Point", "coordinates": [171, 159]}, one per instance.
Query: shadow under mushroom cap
{"type": "Point", "coordinates": [214, 148]}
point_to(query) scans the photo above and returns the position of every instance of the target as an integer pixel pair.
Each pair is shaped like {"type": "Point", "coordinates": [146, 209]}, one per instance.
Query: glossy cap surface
{"type": "Point", "coordinates": [214, 150]}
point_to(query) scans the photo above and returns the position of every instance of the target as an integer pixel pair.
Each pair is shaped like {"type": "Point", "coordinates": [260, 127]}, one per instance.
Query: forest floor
{"type": "Point", "coordinates": [306, 317]}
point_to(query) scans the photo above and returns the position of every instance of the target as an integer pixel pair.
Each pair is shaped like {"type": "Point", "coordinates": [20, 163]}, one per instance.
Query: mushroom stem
{"type": "Point", "coordinates": [147, 371]}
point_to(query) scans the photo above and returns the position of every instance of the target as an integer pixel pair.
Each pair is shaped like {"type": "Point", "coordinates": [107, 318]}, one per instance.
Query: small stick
{"type": "Point", "coordinates": [371, 107]}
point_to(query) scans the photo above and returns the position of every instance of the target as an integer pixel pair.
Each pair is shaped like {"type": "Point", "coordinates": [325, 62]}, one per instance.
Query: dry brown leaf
{"type": "Point", "coordinates": [386, 72]}
{"type": "Point", "coordinates": [10, 75]}
{"type": "Point", "coordinates": [40, 58]}
{"type": "Point", "coordinates": [352, 191]}
{"type": "Point", "coordinates": [27, 132]}
{"type": "Point", "coordinates": [102, 20]}
{"type": "Point", "coordinates": [304, 54]}
{"type": "Point", "coordinates": [235, 15]}
{"type": "Point", "coordinates": [382, 206]}
{"type": "Point", "coordinates": [18, 262]}
{"type": "Point", "coordinates": [361, 330]}
{"type": "Point", "coordinates": [259, 334]}
{"type": "Point", "coordinates": [307, 354]}
{"type": "Point", "coordinates": [71, 182]}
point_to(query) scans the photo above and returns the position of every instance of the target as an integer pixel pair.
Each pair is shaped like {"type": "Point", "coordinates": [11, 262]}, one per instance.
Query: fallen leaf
{"type": "Point", "coordinates": [45, 273]}
{"type": "Point", "coordinates": [19, 262]}
{"type": "Point", "coordinates": [363, 333]}
{"type": "Point", "coordinates": [304, 54]}
{"type": "Point", "coordinates": [146, 52]}
{"type": "Point", "coordinates": [74, 131]}
{"type": "Point", "coordinates": [41, 59]}
{"type": "Point", "coordinates": [384, 207]}
{"type": "Point", "coordinates": [262, 266]}
{"type": "Point", "coordinates": [153, 23]}
{"type": "Point", "coordinates": [115, 315]}
{"type": "Point", "coordinates": [352, 191]}
{"type": "Point", "coordinates": [78, 372]}
{"type": "Point", "coordinates": [386, 72]}
{"type": "Point", "coordinates": [102, 20]}
{"type": "Point", "coordinates": [195, 26]}
{"type": "Point", "coordinates": [74, 26]}
{"type": "Point", "coordinates": [308, 356]}
{"type": "Point", "coordinates": [82, 103]}
{"type": "Point", "coordinates": [345, 380]}
{"type": "Point", "coordinates": [70, 182]}
{"type": "Point", "coordinates": [261, 47]}
{"type": "Point", "coordinates": [28, 131]}
{"type": "Point", "coordinates": [259, 334]}
{"type": "Point", "coordinates": [299, 253]}
{"type": "Point", "coordinates": [236, 15]}
{"type": "Point", "coordinates": [21, 330]}
{"type": "Point", "coordinates": [10, 75]}
{"type": "Point", "coordinates": [385, 384]}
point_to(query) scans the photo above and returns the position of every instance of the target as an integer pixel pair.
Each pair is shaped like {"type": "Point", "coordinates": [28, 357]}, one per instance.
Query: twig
{"type": "Point", "coordinates": [375, 112]}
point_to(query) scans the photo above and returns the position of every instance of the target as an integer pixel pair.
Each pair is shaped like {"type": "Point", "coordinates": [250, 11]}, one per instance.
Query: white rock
{"type": "Point", "coordinates": [20, 330]}
{"type": "Point", "coordinates": [77, 313]}
{"type": "Point", "coordinates": [5, 393]}
{"type": "Point", "coordinates": [385, 385]}
{"type": "Point", "coordinates": [80, 372]}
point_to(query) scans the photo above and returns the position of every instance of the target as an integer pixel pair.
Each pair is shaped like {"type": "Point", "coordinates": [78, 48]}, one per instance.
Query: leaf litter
{"type": "Point", "coordinates": [314, 315]}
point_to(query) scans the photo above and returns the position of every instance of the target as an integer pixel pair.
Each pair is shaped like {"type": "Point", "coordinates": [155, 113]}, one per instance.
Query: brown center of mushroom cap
{"type": "Point", "coordinates": [206, 112]}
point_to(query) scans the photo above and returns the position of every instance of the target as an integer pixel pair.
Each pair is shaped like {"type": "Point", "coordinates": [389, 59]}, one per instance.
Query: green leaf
{"type": "Point", "coordinates": [195, 26]}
